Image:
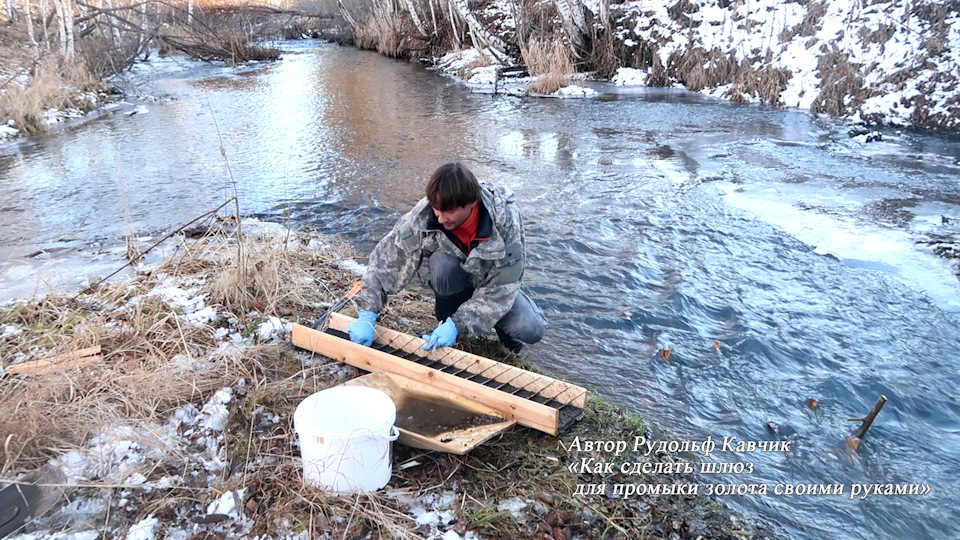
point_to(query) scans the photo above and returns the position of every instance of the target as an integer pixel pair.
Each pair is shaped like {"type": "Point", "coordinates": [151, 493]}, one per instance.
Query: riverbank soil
{"type": "Point", "coordinates": [182, 427]}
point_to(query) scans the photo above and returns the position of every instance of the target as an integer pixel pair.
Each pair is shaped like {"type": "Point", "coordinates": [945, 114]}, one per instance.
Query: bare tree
{"type": "Point", "coordinates": [28, 11]}
{"type": "Point", "coordinates": [417, 23]}
{"type": "Point", "coordinates": [44, 9]}
{"type": "Point", "coordinates": [12, 11]}
{"type": "Point", "coordinates": [61, 25]}
{"type": "Point", "coordinates": [482, 36]}
{"type": "Point", "coordinates": [574, 24]}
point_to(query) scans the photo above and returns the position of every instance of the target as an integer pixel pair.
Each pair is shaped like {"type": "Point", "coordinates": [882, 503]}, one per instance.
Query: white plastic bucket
{"type": "Point", "coordinates": [345, 438]}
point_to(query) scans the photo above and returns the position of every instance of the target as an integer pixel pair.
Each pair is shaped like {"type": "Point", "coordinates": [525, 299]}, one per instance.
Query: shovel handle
{"type": "Point", "coordinates": [337, 306]}
{"type": "Point", "coordinates": [354, 289]}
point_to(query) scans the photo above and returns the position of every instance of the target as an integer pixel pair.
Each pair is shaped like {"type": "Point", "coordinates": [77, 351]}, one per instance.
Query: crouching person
{"type": "Point", "coordinates": [471, 236]}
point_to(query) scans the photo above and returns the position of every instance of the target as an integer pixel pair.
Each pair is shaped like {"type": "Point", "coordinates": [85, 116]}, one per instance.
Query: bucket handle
{"type": "Point", "coordinates": [394, 433]}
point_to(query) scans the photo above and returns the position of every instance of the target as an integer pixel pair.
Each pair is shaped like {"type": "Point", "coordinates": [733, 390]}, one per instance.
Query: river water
{"type": "Point", "coordinates": [776, 257]}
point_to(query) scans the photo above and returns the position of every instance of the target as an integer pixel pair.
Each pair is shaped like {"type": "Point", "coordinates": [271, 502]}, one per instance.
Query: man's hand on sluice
{"type": "Point", "coordinates": [361, 330]}
{"type": "Point", "coordinates": [444, 336]}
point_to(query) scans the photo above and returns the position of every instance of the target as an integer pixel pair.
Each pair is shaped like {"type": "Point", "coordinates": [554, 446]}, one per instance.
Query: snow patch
{"type": "Point", "coordinates": [8, 132]}
{"type": "Point", "coordinates": [229, 504]}
{"type": "Point", "coordinates": [10, 331]}
{"type": "Point", "coordinates": [273, 329]}
{"type": "Point", "coordinates": [629, 77]}
{"type": "Point", "coordinates": [351, 265]}
{"type": "Point", "coordinates": [576, 91]}
{"type": "Point", "coordinates": [145, 529]}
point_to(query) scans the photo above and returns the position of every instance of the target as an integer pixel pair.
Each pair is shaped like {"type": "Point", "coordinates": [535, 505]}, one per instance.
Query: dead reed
{"type": "Point", "coordinates": [466, 71]}
{"type": "Point", "coordinates": [550, 62]}
{"type": "Point", "coordinates": [840, 82]}
{"type": "Point", "coordinates": [391, 35]}
{"type": "Point", "coordinates": [53, 84]}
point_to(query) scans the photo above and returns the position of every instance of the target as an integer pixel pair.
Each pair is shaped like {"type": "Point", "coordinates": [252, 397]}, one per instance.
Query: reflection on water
{"type": "Point", "coordinates": [775, 257]}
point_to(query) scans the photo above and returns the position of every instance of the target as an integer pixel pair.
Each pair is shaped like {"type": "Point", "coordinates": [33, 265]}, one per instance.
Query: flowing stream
{"type": "Point", "coordinates": [777, 258]}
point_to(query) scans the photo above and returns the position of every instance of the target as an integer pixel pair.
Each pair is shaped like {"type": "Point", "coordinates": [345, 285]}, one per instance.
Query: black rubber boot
{"type": "Point", "coordinates": [513, 344]}
{"type": "Point", "coordinates": [448, 305]}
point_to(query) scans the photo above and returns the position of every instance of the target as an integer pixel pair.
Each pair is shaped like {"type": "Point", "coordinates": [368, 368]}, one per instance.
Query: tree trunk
{"type": "Point", "coordinates": [43, 23]}
{"type": "Point", "coordinates": [453, 25]}
{"type": "Point", "coordinates": [61, 26]}
{"type": "Point", "coordinates": [412, 8]}
{"type": "Point", "coordinates": [433, 17]}
{"type": "Point", "coordinates": [574, 24]}
{"type": "Point", "coordinates": [27, 10]}
{"type": "Point", "coordinates": [114, 31]}
{"type": "Point", "coordinates": [489, 38]}
{"type": "Point", "coordinates": [12, 11]}
{"type": "Point", "coordinates": [68, 22]}
{"type": "Point", "coordinates": [346, 14]}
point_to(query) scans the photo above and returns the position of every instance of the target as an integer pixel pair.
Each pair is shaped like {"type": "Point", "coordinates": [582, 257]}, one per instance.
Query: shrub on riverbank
{"type": "Point", "coordinates": [550, 63]}
{"type": "Point", "coordinates": [52, 83]}
{"type": "Point", "coordinates": [184, 426]}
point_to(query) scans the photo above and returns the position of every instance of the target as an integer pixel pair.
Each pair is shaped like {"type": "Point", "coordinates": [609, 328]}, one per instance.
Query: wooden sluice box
{"type": "Point", "coordinates": [494, 395]}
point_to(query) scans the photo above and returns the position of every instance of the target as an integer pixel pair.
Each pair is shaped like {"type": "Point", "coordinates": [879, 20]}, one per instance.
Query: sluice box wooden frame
{"type": "Point", "coordinates": [528, 398]}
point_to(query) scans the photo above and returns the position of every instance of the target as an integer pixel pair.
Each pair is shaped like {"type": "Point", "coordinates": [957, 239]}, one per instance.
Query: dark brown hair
{"type": "Point", "coordinates": [452, 186]}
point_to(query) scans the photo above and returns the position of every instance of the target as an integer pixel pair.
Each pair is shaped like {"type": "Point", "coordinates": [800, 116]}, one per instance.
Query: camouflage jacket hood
{"type": "Point", "coordinates": [495, 266]}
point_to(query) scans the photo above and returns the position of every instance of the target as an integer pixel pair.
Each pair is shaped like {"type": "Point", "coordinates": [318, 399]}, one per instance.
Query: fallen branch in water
{"type": "Point", "coordinates": [853, 441]}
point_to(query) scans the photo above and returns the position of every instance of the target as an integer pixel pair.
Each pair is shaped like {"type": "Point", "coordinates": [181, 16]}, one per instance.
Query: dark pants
{"type": "Point", "coordinates": [524, 321]}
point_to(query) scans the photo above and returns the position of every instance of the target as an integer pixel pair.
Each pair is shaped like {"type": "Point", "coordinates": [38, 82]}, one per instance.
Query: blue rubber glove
{"type": "Point", "coordinates": [361, 330]}
{"type": "Point", "coordinates": [444, 336]}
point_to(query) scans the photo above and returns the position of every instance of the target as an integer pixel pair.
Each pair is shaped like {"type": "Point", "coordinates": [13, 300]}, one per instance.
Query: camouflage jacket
{"type": "Point", "coordinates": [495, 266]}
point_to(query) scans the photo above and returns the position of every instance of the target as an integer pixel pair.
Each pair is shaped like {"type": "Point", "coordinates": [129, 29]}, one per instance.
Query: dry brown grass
{"type": "Point", "coordinates": [41, 415]}
{"type": "Point", "coordinates": [766, 83]}
{"type": "Point", "coordinates": [603, 59]}
{"type": "Point", "coordinates": [366, 36]}
{"type": "Point", "coordinates": [840, 84]}
{"type": "Point", "coordinates": [391, 35]}
{"type": "Point", "coordinates": [550, 62]}
{"type": "Point", "coordinates": [679, 13]}
{"type": "Point", "coordinates": [881, 35]}
{"type": "Point", "coordinates": [481, 61]}
{"type": "Point", "coordinates": [811, 20]}
{"type": "Point", "coordinates": [139, 334]}
{"type": "Point", "coordinates": [54, 83]}
{"type": "Point", "coordinates": [698, 69]}
{"type": "Point", "coordinates": [810, 24]}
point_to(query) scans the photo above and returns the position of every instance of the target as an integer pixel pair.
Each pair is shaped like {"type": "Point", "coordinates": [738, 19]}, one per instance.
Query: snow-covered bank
{"type": "Point", "coordinates": [886, 63]}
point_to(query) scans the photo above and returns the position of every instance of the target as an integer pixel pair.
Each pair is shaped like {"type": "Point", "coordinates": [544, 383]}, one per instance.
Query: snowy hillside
{"type": "Point", "coordinates": [889, 61]}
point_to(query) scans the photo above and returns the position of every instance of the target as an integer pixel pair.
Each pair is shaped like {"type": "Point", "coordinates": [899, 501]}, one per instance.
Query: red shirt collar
{"type": "Point", "coordinates": [467, 232]}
